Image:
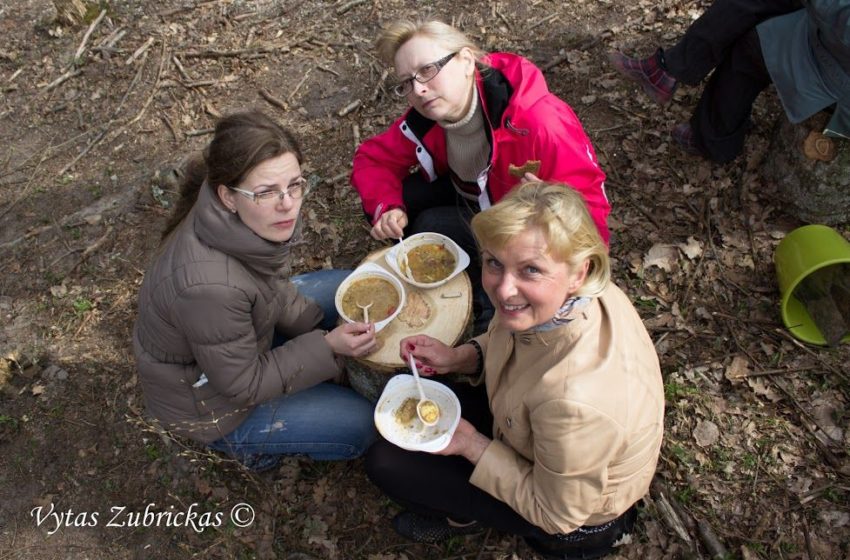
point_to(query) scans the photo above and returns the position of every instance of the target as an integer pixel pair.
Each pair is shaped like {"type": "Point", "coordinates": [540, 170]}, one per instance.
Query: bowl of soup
{"type": "Point", "coordinates": [372, 287]}
{"type": "Point", "coordinates": [432, 259]}
{"type": "Point", "coordinates": [398, 423]}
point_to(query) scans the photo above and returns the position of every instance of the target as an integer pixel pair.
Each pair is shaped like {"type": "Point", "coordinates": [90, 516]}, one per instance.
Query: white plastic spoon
{"type": "Point", "coordinates": [365, 309]}
{"type": "Point", "coordinates": [426, 409]}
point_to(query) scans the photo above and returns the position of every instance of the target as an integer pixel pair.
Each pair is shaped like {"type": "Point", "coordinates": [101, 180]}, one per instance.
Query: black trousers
{"type": "Point", "coordinates": [724, 39]}
{"type": "Point", "coordinates": [438, 486]}
{"type": "Point", "coordinates": [437, 207]}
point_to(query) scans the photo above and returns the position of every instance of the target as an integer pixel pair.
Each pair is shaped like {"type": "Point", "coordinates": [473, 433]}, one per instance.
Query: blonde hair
{"type": "Point", "coordinates": [560, 213]}
{"type": "Point", "coordinates": [398, 33]}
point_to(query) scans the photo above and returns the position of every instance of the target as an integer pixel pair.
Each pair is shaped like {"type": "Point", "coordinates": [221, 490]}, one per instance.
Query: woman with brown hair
{"type": "Point", "coordinates": [231, 352]}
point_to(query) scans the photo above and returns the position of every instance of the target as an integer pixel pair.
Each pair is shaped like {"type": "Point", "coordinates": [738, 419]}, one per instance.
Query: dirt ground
{"type": "Point", "coordinates": [95, 116]}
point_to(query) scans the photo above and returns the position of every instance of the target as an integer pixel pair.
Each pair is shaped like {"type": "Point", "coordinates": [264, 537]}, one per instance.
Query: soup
{"type": "Point", "coordinates": [430, 263]}
{"type": "Point", "coordinates": [377, 291]}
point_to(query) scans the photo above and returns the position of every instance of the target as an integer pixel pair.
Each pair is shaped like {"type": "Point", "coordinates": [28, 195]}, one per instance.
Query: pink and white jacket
{"type": "Point", "coordinates": [526, 122]}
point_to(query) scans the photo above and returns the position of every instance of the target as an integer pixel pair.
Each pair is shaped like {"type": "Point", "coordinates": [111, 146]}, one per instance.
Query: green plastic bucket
{"type": "Point", "coordinates": [802, 252]}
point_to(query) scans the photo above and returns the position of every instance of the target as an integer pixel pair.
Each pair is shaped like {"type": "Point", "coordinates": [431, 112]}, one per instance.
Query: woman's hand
{"type": "Point", "coordinates": [530, 177]}
{"type": "Point", "coordinates": [390, 224]}
{"type": "Point", "coordinates": [352, 339]}
{"type": "Point", "coordinates": [468, 442]}
{"type": "Point", "coordinates": [431, 355]}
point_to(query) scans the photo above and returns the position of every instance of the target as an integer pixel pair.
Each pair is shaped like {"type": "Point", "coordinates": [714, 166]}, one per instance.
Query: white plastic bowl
{"type": "Point", "coordinates": [461, 257]}
{"type": "Point", "coordinates": [370, 270]}
{"type": "Point", "coordinates": [415, 436]}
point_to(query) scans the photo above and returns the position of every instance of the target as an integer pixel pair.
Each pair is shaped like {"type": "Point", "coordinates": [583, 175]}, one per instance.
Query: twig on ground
{"type": "Point", "coordinates": [212, 53]}
{"type": "Point", "coordinates": [379, 85]}
{"type": "Point", "coordinates": [87, 252]}
{"type": "Point", "coordinates": [348, 5]}
{"type": "Point", "coordinates": [199, 132]}
{"type": "Point", "coordinates": [551, 17]}
{"type": "Point", "coordinates": [483, 544]}
{"type": "Point", "coordinates": [328, 70]}
{"type": "Point", "coordinates": [154, 89]}
{"type": "Point", "coordinates": [673, 520]}
{"type": "Point", "coordinates": [179, 66]}
{"type": "Point", "coordinates": [502, 17]}
{"type": "Point", "coordinates": [170, 127]}
{"type": "Point", "coordinates": [64, 77]}
{"type": "Point", "coordinates": [583, 46]}
{"type": "Point", "coordinates": [709, 539]}
{"type": "Point", "coordinates": [300, 83]}
{"type": "Point", "coordinates": [81, 49]}
{"type": "Point", "coordinates": [139, 52]}
{"type": "Point", "coordinates": [349, 108]}
{"type": "Point", "coordinates": [94, 141]}
{"type": "Point", "coordinates": [280, 104]}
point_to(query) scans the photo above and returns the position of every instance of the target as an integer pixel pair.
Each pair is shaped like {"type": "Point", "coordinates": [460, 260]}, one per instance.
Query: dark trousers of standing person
{"type": "Point", "coordinates": [437, 207]}
{"type": "Point", "coordinates": [438, 486]}
{"type": "Point", "coordinates": [724, 38]}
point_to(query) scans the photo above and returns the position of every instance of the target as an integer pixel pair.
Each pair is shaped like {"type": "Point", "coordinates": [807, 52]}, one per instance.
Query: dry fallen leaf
{"type": "Point", "coordinates": [706, 433]}
{"type": "Point", "coordinates": [738, 369]}
{"type": "Point", "coordinates": [37, 389]}
{"type": "Point", "coordinates": [662, 255]}
{"type": "Point", "coordinates": [692, 248]}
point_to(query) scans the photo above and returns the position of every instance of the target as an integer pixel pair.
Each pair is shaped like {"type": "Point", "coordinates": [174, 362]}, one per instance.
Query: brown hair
{"type": "Point", "coordinates": [562, 216]}
{"type": "Point", "coordinates": [241, 141]}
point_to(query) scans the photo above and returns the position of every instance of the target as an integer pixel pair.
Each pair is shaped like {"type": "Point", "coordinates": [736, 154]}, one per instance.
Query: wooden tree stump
{"type": "Point", "coordinates": [811, 172]}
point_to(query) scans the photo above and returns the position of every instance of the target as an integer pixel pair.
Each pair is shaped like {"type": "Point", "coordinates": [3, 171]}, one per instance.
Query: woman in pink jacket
{"type": "Point", "coordinates": [478, 124]}
{"type": "Point", "coordinates": [563, 436]}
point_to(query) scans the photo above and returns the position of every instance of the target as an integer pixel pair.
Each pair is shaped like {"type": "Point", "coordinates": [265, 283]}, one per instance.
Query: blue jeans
{"type": "Point", "coordinates": [325, 422]}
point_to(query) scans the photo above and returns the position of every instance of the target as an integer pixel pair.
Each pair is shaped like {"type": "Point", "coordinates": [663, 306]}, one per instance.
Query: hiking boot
{"type": "Point", "coordinates": [425, 529]}
{"type": "Point", "coordinates": [683, 136]}
{"type": "Point", "coordinates": [649, 73]}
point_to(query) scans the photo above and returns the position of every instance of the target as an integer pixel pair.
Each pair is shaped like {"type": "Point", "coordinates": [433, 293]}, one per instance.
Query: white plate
{"type": "Point", "coordinates": [461, 258]}
{"type": "Point", "coordinates": [414, 435]}
{"type": "Point", "coordinates": [370, 270]}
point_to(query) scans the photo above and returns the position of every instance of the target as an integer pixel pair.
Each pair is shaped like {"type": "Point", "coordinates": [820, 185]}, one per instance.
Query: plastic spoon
{"type": "Point", "coordinates": [403, 265]}
{"type": "Point", "coordinates": [426, 409]}
{"type": "Point", "coordinates": [365, 309]}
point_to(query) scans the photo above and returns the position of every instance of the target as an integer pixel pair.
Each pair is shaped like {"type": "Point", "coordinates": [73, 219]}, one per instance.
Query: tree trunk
{"type": "Point", "coordinates": [811, 172]}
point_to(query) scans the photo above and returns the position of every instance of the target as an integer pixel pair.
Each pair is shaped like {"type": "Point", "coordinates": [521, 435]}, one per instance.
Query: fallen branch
{"type": "Point", "coordinates": [66, 76]}
{"type": "Point", "coordinates": [212, 53]}
{"type": "Point", "coordinates": [280, 104]}
{"type": "Point", "coordinates": [380, 84]}
{"type": "Point", "coordinates": [348, 108]}
{"type": "Point", "coordinates": [92, 248]}
{"type": "Point", "coordinates": [348, 5]}
{"type": "Point", "coordinates": [81, 49]}
{"type": "Point", "coordinates": [199, 132]}
{"type": "Point", "coordinates": [563, 57]}
{"type": "Point", "coordinates": [711, 542]}
{"type": "Point", "coordinates": [300, 83]}
{"type": "Point", "coordinates": [139, 52]}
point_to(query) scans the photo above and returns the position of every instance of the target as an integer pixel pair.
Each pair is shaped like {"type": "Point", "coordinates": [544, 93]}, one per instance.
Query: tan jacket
{"type": "Point", "coordinates": [210, 304]}
{"type": "Point", "coordinates": [578, 416]}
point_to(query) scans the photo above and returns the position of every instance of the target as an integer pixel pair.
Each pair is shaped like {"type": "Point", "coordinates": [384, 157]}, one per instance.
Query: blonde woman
{"type": "Point", "coordinates": [563, 438]}
{"type": "Point", "coordinates": [477, 125]}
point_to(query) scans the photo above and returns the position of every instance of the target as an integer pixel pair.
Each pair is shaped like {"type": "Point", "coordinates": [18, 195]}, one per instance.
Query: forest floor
{"type": "Point", "coordinates": [94, 118]}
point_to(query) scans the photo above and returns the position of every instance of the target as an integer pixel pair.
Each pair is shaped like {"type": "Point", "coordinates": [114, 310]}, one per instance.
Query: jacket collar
{"type": "Point", "coordinates": [226, 232]}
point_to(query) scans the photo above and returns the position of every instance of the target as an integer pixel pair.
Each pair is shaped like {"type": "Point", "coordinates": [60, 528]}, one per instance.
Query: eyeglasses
{"type": "Point", "coordinates": [297, 189]}
{"type": "Point", "coordinates": [423, 75]}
